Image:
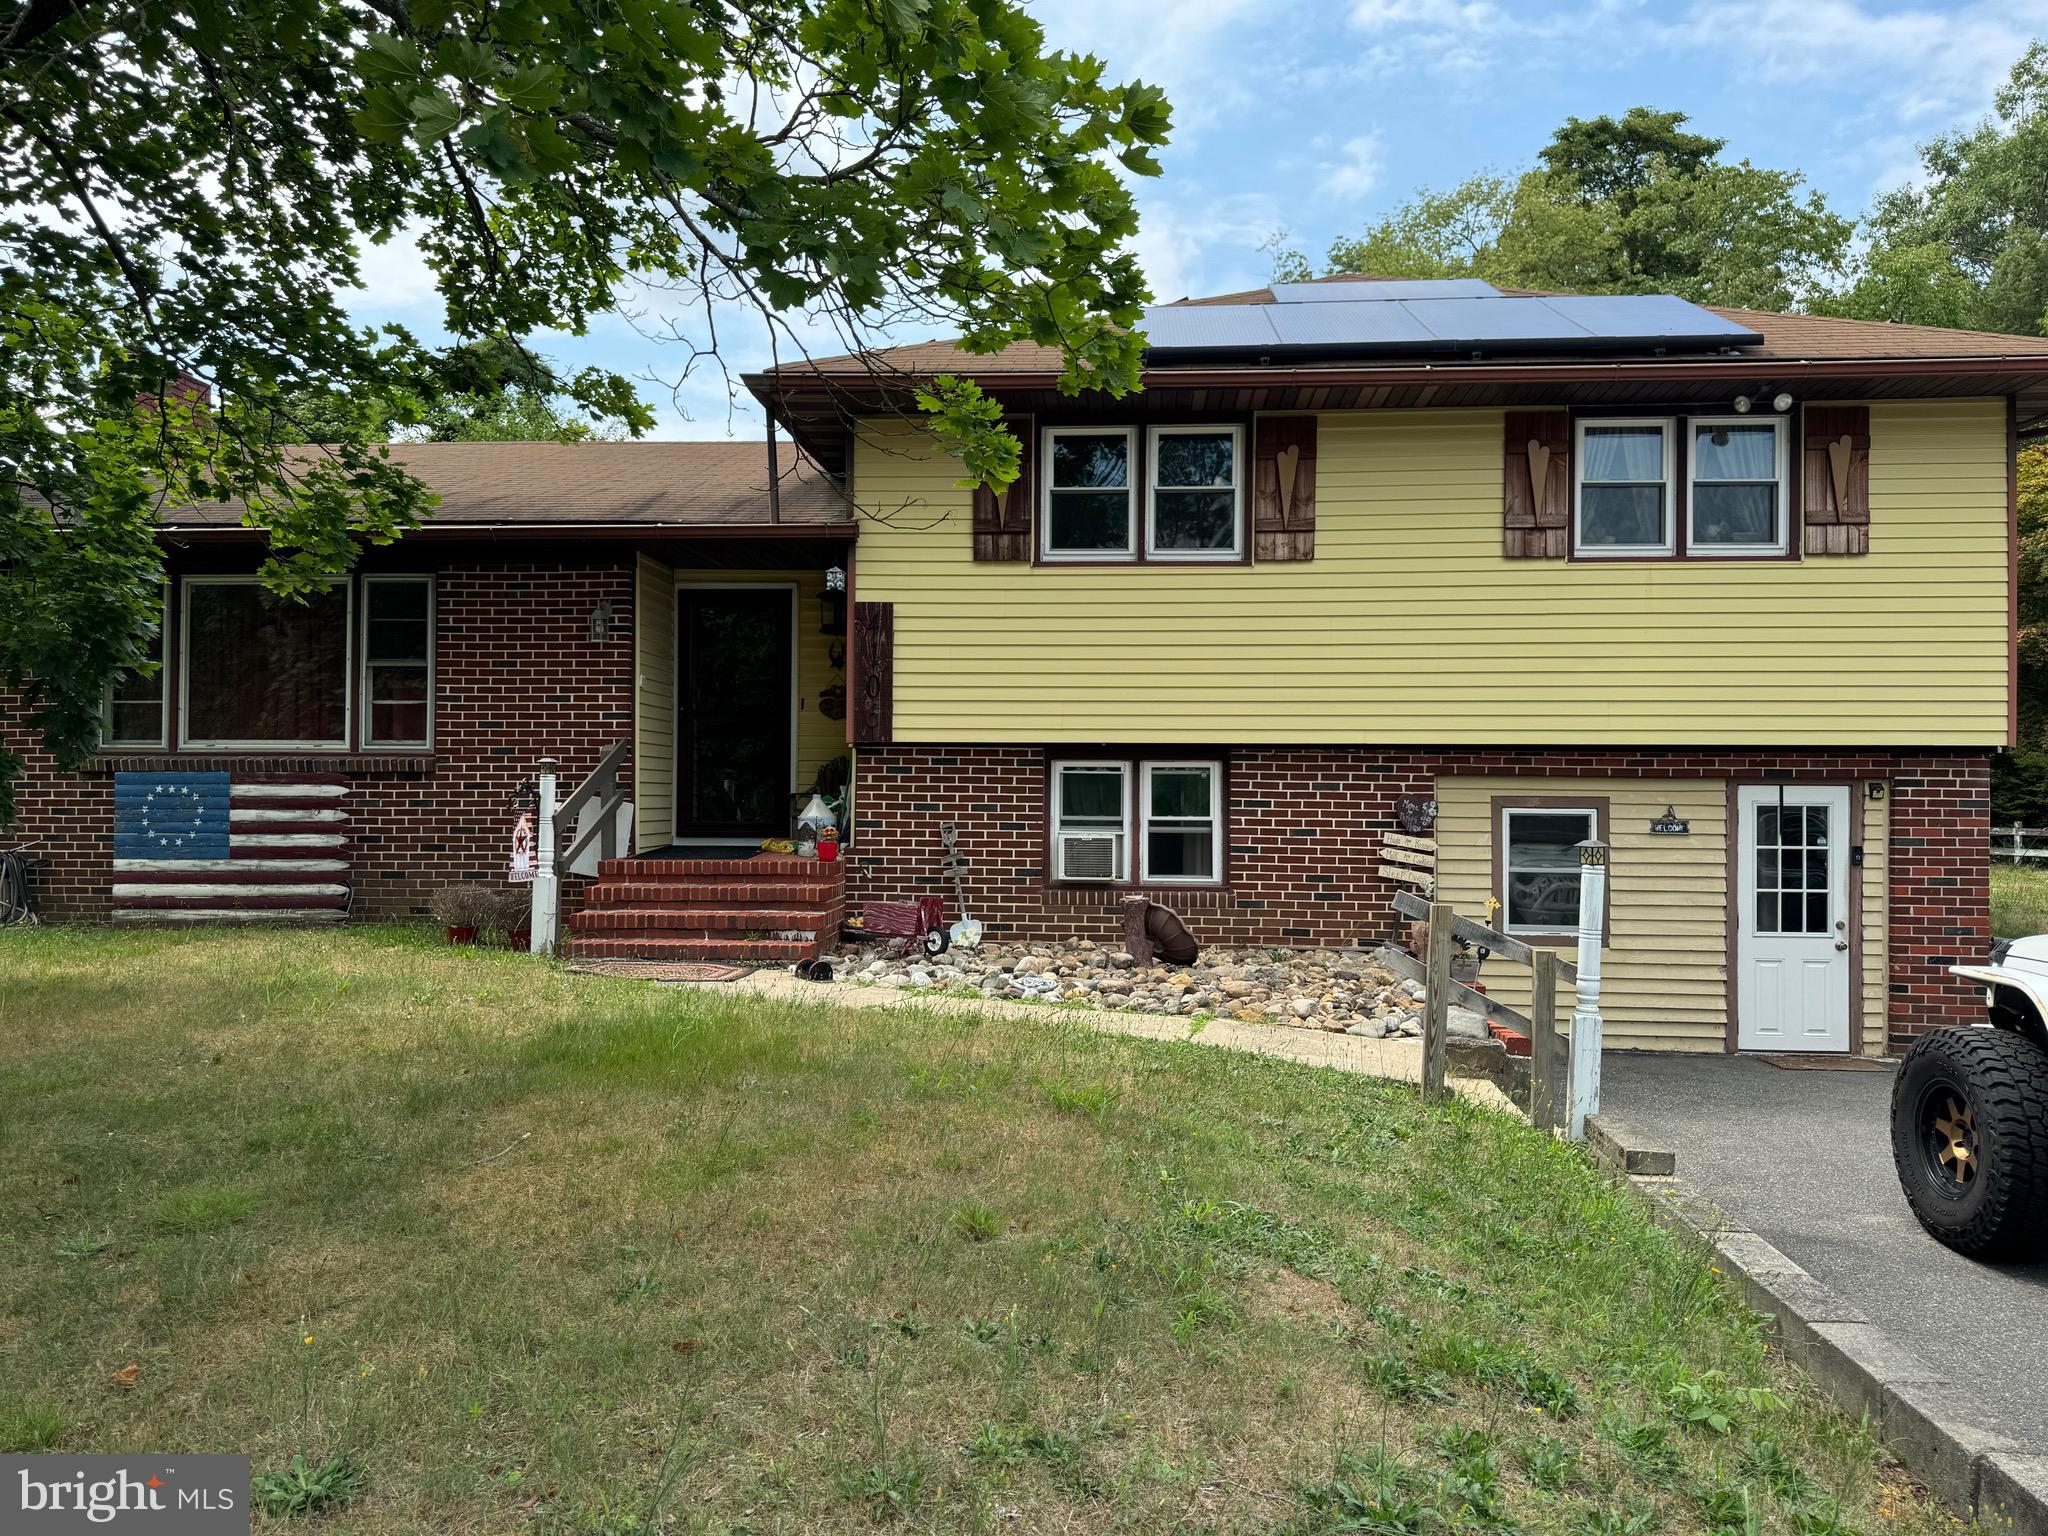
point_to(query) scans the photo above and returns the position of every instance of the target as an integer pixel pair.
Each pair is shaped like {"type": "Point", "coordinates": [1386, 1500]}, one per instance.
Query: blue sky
{"type": "Point", "coordinates": [1317, 116]}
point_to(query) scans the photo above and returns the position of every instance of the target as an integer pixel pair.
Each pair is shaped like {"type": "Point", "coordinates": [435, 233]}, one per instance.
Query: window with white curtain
{"type": "Point", "coordinates": [1624, 487]}
{"type": "Point", "coordinates": [1736, 498]}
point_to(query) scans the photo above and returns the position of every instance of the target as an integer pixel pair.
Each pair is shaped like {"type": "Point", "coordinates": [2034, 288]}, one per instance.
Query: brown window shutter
{"type": "Point", "coordinates": [1835, 482]}
{"type": "Point", "coordinates": [1536, 486]}
{"type": "Point", "coordinates": [1284, 514]}
{"type": "Point", "coordinates": [874, 674]}
{"type": "Point", "coordinates": [1002, 524]}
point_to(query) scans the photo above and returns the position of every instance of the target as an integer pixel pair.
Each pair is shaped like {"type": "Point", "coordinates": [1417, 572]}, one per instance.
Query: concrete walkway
{"type": "Point", "coordinates": [1399, 1060]}
{"type": "Point", "coordinates": [1803, 1158]}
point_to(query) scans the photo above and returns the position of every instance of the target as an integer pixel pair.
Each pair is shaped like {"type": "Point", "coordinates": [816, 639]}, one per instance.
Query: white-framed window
{"type": "Point", "coordinates": [1539, 866]}
{"type": "Point", "coordinates": [1091, 821]}
{"type": "Point", "coordinates": [1090, 510]}
{"type": "Point", "coordinates": [398, 661]}
{"type": "Point", "coordinates": [135, 714]}
{"type": "Point", "coordinates": [1623, 486]}
{"type": "Point", "coordinates": [1195, 493]}
{"type": "Point", "coordinates": [259, 670]}
{"type": "Point", "coordinates": [1182, 821]}
{"type": "Point", "coordinates": [1735, 501]}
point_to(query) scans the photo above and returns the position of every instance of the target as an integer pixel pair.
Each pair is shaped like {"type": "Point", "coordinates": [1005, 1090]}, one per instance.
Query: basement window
{"type": "Point", "coordinates": [1173, 823]}
{"type": "Point", "coordinates": [1540, 867]}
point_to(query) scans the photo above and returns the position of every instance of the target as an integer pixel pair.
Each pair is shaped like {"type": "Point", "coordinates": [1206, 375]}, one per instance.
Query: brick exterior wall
{"type": "Point", "coordinates": [516, 675]}
{"type": "Point", "coordinates": [1302, 843]}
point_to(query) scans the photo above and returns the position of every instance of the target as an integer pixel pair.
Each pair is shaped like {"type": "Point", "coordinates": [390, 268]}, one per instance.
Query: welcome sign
{"type": "Point", "coordinates": [138, 1495]}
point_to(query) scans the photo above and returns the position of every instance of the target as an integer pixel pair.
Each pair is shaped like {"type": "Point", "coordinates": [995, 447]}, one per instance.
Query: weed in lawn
{"type": "Point", "coordinates": [1549, 1464]}
{"type": "Point", "coordinates": [1375, 1493]}
{"type": "Point", "coordinates": [975, 1221]}
{"type": "Point", "coordinates": [1630, 1520]}
{"type": "Point", "coordinates": [26, 1428]}
{"type": "Point", "coordinates": [1400, 1381]}
{"type": "Point", "coordinates": [81, 1246]}
{"type": "Point", "coordinates": [982, 1330]}
{"type": "Point", "coordinates": [1765, 1461]}
{"type": "Point", "coordinates": [302, 1487]}
{"type": "Point", "coordinates": [203, 1208]}
{"type": "Point", "coordinates": [1709, 1403]}
{"type": "Point", "coordinates": [1728, 1511]}
{"type": "Point", "coordinates": [1646, 1447]}
{"type": "Point", "coordinates": [1094, 1100]}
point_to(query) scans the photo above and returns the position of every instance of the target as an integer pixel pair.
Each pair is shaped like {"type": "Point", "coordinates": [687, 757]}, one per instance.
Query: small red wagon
{"type": "Point", "coordinates": [923, 919]}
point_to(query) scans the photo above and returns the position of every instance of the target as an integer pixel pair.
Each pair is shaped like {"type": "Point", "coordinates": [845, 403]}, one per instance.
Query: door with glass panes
{"type": "Point", "coordinates": [1792, 930]}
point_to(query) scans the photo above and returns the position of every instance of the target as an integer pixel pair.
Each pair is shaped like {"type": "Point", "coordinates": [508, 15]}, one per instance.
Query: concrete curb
{"type": "Point", "coordinates": [1919, 1414]}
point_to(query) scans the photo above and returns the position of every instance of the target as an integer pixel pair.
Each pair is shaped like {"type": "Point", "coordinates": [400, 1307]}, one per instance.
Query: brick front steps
{"type": "Point", "coordinates": [768, 911]}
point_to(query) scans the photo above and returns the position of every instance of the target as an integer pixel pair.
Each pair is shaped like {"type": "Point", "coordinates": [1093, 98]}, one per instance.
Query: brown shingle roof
{"type": "Point", "coordinates": [1809, 338]}
{"type": "Point", "coordinates": [719, 484]}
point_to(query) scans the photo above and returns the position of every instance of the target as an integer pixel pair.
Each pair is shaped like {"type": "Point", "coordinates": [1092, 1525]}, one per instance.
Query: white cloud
{"type": "Point", "coordinates": [1182, 46]}
{"type": "Point", "coordinates": [1355, 172]}
{"type": "Point", "coordinates": [1924, 64]}
{"type": "Point", "coordinates": [395, 276]}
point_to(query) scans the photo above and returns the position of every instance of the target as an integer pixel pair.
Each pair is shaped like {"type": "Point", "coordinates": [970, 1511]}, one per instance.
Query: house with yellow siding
{"type": "Point", "coordinates": [1498, 572]}
{"type": "Point", "coordinates": [1493, 573]}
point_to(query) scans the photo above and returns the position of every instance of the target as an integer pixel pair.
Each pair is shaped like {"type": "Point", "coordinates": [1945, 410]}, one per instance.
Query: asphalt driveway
{"type": "Point", "coordinates": [1803, 1158]}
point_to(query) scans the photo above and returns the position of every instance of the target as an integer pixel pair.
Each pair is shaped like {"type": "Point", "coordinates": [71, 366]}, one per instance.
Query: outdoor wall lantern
{"type": "Point", "coordinates": [832, 603]}
{"type": "Point", "coordinates": [601, 622]}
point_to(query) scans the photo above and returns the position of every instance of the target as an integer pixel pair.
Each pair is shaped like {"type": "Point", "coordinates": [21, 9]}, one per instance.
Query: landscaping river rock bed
{"type": "Point", "coordinates": [1340, 990]}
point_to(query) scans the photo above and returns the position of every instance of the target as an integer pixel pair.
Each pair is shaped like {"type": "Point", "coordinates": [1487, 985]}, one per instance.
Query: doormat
{"type": "Point", "coordinates": [662, 970]}
{"type": "Point", "coordinates": [1822, 1063]}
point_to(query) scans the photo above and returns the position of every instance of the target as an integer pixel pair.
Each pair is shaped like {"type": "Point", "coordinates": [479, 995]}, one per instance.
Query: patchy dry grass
{"type": "Point", "coordinates": [522, 1251]}
{"type": "Point", "coordinates": [2019, 900]}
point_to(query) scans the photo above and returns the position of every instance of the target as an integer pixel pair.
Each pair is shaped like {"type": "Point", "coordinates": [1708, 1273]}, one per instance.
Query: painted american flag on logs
{"type": "Point", "coordinates": [231, 848]}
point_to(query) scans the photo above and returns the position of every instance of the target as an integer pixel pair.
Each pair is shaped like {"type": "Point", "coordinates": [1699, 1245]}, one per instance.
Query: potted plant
{"type": "Point", "coordinates": [514, 914]}
{"type": "Point", "coordinates": [462, 908]}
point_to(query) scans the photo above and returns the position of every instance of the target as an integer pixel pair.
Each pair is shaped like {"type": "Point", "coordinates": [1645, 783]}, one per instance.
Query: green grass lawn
{"type": "Point", "coordinates": [2019, 900]}
{"type": "Point", "coordinates": [539, 1253]}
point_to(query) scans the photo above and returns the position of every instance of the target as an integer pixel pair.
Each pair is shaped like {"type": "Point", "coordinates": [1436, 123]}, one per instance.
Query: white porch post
{"type": "Point", "coordinates": [547, 906]}
{"type": "Point", "coordinates": [1586, 1026]}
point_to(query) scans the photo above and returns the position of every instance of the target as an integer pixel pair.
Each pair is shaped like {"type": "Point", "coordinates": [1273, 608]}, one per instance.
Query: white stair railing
{"type": "Point", "coordinates": [601, 786]}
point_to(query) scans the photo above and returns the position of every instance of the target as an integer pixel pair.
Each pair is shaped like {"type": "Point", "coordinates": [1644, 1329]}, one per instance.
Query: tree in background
{"type": "Point", "coordinates": [2019, 776]}
{"type": "Point", "coordinates": [1968, 247]}
{"type": "Point", "coordinates": [186, 187]}
{"type": "Point", "coordinates": [1634, 204]}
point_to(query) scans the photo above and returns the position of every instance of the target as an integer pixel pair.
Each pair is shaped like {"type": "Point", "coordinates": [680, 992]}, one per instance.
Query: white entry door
{"type": "Point", "coordinates": [1792, 932]}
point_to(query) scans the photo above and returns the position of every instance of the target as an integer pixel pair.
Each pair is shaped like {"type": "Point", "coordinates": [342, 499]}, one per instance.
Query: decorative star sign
{"type": "Point", "coordinates": [171, 813]}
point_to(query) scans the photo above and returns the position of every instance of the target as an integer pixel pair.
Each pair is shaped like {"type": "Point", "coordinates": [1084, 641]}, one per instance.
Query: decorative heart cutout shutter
{"type": "Point", "coordinates": [1284, 488]}
{"type": "Point", "coordinates": [1002, 524]}
{"type": "Point", "coordinates": [1835, 484]}
{"type": "Point", "coordinates": [1536, 486]}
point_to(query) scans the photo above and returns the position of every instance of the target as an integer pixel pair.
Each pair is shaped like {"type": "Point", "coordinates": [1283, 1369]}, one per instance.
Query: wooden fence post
{"type": "Point", "coordinates": [2017, 843]}
{"type": "Point", "coordinates": [1546, 1045]}
{"type": "Point", "coordinates": [1436, 1001]}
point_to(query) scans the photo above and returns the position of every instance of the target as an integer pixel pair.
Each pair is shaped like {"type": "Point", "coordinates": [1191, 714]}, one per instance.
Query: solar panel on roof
{"type": "Point", "coordinates": [1647, 317]}
{"type": "Point", "coordinates": [1480, 322]}
{"type": "Point", "coordinates": [1442, 326]}
{"type": "Point", "coordinates": [1327, 325]}
{"type": "Point", "coordinates": [1206, 326]}
{"type": "Point", "coordinates": [1384, 290]}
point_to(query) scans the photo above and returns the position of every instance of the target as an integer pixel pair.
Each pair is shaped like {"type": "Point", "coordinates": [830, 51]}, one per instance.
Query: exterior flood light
{"type": "Point", "coordinates": [1782, 403]}
{"type": "Point", "coordinates": [1743, 404]}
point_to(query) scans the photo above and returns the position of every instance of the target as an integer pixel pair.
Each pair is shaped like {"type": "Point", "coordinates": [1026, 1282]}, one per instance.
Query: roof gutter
{"type": "Point", "coordinates": [779, 532]}
{"type": "Point", "coordinates": [1480, 373]}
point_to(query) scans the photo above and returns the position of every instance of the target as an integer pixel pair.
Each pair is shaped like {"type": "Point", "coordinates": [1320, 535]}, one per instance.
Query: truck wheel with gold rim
{"type": "Point", "coordinates": [1970, 1139]}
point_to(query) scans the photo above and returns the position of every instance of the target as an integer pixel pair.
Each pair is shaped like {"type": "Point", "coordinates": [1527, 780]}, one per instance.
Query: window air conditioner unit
{"type": "Point", "coordinates": [1091, 855]}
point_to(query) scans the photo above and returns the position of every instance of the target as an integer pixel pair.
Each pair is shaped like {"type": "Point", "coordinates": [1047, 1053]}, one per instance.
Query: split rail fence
{"type": "Point", "coordinates": [2011, 844]}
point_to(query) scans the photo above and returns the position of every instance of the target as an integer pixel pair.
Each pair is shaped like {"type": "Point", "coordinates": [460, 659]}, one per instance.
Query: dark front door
{"type": "Point", "coordinates": [733, 724]}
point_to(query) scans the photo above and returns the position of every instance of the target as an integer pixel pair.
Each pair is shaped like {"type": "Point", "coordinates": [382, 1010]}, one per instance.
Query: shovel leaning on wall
{"type": "Point", "coordinates": [966, 933]}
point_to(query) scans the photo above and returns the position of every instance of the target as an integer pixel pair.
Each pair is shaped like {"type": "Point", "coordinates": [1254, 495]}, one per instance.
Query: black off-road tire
{"type": "Point", "coordinates": [1990, 1088]}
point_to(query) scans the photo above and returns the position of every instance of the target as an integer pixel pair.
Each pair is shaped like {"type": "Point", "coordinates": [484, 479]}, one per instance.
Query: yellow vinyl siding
{"type": "Point", "coordinates": [1664, 981]}
{"type": "Point", "coordinates": [654, 693]}
{"type": "Point", "coordinates": [1410, 627]}
{"type": "Point", "coordinates": [818, 739]}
